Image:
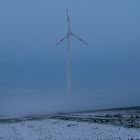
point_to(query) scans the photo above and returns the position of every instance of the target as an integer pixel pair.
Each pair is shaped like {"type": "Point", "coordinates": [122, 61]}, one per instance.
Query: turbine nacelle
{"type": "Point", "coordinates": [68, 34]}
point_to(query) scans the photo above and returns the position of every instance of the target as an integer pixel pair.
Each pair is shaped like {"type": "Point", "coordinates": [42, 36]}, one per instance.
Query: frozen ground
{"type": "Point", "coordinates": [51, 129]}
{"type": "Point", "coordinates": [96, 125]}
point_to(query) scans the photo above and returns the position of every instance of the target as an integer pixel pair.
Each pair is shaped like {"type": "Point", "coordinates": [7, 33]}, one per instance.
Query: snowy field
{"type": "Point", "coordinates": [96, 125]}
{"type": "Point", "coordinates": [51, 129]}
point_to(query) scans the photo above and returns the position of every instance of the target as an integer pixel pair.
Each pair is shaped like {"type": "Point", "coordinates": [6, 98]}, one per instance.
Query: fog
{"type": "Point", "coordinates": [105, 74]}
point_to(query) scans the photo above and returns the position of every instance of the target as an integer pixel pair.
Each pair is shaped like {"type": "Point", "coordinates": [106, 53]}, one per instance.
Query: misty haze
{"type": "Point", "coordinates": [70, 66]}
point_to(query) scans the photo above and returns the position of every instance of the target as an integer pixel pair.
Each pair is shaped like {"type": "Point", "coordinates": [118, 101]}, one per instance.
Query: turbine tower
{"type": "Point", "coordinates": [68, 37]}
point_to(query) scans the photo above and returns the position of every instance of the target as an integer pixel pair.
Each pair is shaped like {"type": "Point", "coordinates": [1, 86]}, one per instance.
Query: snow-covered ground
{"type": "Point", "coordinates": [51, 129]}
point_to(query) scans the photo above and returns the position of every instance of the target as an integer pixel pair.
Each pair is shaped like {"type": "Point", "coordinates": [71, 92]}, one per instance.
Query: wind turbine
{"type": "Point", "coordinates": [68, 37]}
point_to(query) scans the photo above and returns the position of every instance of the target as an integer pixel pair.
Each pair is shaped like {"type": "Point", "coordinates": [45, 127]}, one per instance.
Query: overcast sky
{"type": "Point", "coordinates": [105, 74]}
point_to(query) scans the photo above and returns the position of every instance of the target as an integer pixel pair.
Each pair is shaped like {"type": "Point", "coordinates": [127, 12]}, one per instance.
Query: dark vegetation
{"type": "Point", "coordinates": [127, 117]}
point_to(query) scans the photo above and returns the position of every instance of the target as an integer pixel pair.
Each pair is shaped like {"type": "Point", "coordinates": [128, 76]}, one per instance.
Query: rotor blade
{"type": "Point", "coordinates": [68, 20]}
{"type": "Point", "coordinates": [61, 40]}
{"type": "Point", "coordinates": [79, 39]}
{"type": "Point", "coordinates": [68, 16]}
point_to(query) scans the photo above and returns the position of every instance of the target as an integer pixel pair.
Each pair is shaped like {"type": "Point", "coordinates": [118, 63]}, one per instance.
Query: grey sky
{"type": "Point", "coordinates": [33, 69]}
